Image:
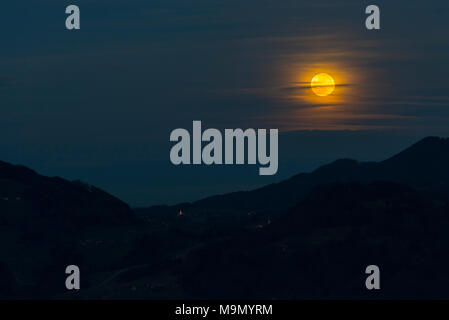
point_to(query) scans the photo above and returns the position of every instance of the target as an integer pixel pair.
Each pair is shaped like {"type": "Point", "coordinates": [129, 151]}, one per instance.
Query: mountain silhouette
{"type": "Point", "coordinates": [26, 195]}
{"type": "Point", "coordinates": [310, 236]}
{"type": "Point", "coordinates": [43, 223]}
{"type": "Point", "coordinates": [319, 249]}
{"type": "Point", "coordinates": [422, 166]}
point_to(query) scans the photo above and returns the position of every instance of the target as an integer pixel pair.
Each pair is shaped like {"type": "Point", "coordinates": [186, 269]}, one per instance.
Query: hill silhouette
{"type": "Point", "coordinates": [43, 221]}
{"type": "Point", "coordinates": [423, 166]}
{"type": "Point", "coordinates": [310, 236]}
{"type": "Point", "coordinates": [26, 195]}
{"type": "Point", "coordinates": [320, 248]}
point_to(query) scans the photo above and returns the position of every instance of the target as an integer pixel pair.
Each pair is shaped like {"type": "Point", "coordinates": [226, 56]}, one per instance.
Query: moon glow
{"type": "Point", "coordinates": [322, 84]}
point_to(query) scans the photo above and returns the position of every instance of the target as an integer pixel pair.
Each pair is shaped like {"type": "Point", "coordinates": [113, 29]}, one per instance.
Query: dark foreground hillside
{"type": "Point", "coordinates": [321, 247]}
{"type": "Point", "coordinates": [42, 221]}
{"type": "Point", "coordinates": [308, 237]}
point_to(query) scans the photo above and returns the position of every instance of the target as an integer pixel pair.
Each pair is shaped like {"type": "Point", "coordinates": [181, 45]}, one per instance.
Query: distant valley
{"type": "Point", "coordinates": [307, 237]}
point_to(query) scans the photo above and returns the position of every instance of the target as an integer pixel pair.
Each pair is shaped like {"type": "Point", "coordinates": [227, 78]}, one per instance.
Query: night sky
{"type": "Point", "coordinates": [99, 104]}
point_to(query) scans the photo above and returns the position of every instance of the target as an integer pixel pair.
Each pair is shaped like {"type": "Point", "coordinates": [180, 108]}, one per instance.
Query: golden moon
{"type": "Point", "coordinates": [322, 84]}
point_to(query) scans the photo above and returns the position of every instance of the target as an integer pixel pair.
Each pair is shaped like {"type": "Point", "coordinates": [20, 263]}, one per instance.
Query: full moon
{"type": "Point", "coordinates": [322, 84]}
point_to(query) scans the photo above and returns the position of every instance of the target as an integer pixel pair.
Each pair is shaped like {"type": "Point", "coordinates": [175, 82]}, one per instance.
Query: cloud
{"type": "Point", "coordinates": [6, 82]}
{"type": "Point", "coordinates": [306, 85]}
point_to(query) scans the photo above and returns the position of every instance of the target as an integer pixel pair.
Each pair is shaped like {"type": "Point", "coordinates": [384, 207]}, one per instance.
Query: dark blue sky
{"type": "Point", "coordinates": [99, 103]}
